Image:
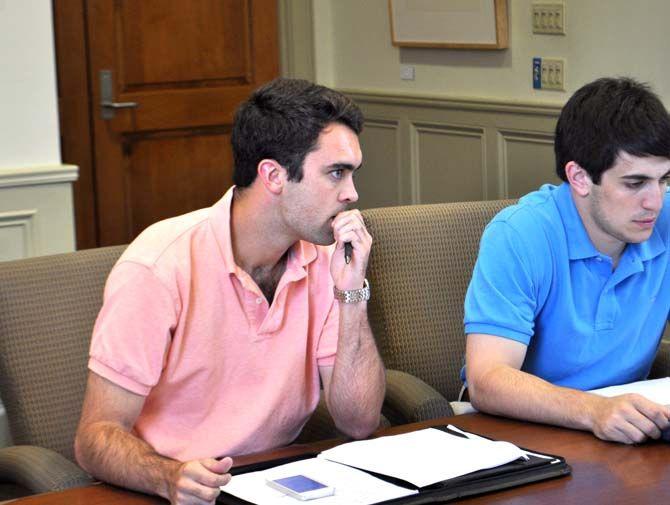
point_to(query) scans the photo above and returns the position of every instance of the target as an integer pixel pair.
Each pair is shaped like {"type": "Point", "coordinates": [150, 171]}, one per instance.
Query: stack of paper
{"type": "Point", "coordinates": [424, 457]}
{"type": "Point", "coordinates": [421, 458]}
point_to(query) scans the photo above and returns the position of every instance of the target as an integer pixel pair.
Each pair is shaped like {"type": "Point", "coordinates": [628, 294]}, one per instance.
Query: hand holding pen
{"type": "Point", "coordinates": [350, 261]}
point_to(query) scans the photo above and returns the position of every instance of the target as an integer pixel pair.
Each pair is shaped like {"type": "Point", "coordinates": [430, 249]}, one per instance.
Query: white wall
{"type": "Point", "coordinates": [604, 37]}
{"type": "Point", "coordinates": [36, 215]}
{"type": "Point", "coordinates": [29, 133]}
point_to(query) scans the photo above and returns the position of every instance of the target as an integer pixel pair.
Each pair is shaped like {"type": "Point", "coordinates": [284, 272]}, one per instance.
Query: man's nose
{"type": "Point", "coordinates": [654, 198]}
{"type": "Point", "coordinates": [349, 193]}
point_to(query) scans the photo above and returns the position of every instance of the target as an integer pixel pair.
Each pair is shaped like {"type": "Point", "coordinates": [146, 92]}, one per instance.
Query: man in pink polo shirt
{"type": "Point", "coordinates": [218, 326]}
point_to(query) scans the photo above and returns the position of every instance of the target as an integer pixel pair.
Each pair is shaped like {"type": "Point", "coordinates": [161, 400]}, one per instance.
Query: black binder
{"type": "Point", "coordinates": [515, 473]}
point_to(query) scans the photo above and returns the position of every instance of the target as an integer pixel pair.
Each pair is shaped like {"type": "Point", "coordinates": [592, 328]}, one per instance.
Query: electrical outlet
{"type": "Point", "coordinates": [549, 18]}
{"type": "Point", "coordinates": [553, 73]}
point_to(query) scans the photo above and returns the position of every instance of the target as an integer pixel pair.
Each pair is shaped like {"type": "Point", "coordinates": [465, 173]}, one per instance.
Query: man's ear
{"type": "Point", "coordinates": [272, 175]}
{"type": "Point", "coordinates": [578, 178]}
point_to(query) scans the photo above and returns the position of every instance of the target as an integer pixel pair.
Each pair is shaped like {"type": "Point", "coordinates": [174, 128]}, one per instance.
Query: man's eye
{"type": "Point", "coordinates": [337, 173]}
{"type": "Point", "coordinates": [634, 185]}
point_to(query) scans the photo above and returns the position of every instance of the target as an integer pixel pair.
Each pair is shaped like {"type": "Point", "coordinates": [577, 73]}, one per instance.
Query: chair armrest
{"type": "Point", "coordinates": [661, 366]}
{"type": "Point", "coordinates": [409, 399]}
{"type": "Point", "coordinates": [40, 470]}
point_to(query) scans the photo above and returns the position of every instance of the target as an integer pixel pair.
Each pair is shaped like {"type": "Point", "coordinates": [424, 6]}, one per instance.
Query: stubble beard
{"type": "Point", "coordinates": [621, 234]}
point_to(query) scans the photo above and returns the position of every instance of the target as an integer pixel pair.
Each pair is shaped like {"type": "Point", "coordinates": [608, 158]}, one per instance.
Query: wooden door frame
{"type": "Point", "coordinates": [74, 106]}
{"type": "Point", "coordinates": [74, 93]}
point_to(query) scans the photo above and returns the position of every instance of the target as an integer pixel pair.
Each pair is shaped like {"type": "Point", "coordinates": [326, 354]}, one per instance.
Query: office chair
{"type": "Point", "coordinates": [419, 269]}
{"type": "Point", "coordinates": [48, 306]}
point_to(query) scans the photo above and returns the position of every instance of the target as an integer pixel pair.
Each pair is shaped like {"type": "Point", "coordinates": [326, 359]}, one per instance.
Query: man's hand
{"type": "Point", "coordinates": [106, 447]}
{"type": "Point", "coordinates": [198, 482]}
{"type": "Point", "coordinates": [349, 227]}
{"type": "Point", "coordinates": [629, 419]}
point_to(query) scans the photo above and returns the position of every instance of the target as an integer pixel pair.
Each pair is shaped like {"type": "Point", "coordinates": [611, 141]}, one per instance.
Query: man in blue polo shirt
{"type": "Point", "coordinates": [571, 290]}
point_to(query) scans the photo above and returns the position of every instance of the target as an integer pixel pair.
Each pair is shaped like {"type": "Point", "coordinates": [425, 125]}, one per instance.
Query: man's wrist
{"type": "Point", "coordinates": [353, 295]}
{"type": "Point", "coordinates": [587, 413]}
{"type": "Point", "coordinates": [170, 471]}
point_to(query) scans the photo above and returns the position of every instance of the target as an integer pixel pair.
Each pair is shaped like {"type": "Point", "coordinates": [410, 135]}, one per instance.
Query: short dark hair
{"type": "Point", "coordinates": [282, 121]}
{"type": "Point", "coordinates": [605, 117]}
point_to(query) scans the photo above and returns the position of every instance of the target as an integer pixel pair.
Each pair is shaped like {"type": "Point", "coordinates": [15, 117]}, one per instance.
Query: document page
{"type": "Point", "coordinates": [424, 457]}
{"type": "Point", "coordinates": [352, 487]}
{"type": "Point", "coordinates": [656, 390]}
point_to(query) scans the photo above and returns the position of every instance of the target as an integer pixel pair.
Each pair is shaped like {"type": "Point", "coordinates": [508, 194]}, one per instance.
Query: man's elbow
{"type": "Point", "coordinates": [475, 399]}
{"type": "Point", "coordinates": [79, 453]}
{"type": "Point", "coordinates": [361, 427]}
{"type": "Point", "coordinates": [478, 393]}
{"type": "Point", "coordinates": [82, 451]}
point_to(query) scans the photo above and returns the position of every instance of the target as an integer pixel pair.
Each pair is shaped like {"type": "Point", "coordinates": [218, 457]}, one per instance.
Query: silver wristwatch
{"type": "Point", "coordinates": [353, 295]}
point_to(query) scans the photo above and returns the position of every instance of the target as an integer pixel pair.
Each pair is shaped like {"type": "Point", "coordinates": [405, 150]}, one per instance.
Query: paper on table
{"type": "Point", "coordinates": [473, 436]}
{"type": "Point", "coordinates": [656, 390]}
{"type": "Point", "coordinates": [352, 487]}
{"type": "Point", "coordinates": [424, 457]}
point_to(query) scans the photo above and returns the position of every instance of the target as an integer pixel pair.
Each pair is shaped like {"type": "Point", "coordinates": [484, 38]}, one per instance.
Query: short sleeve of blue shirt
{"type": "Point", "coordinates": [506, 287]}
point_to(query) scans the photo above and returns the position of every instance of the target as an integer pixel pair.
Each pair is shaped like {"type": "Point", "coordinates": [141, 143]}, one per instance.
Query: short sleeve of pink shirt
{"type": "Point", "coordinates": [185, 327]}
{"type": "Point", "coordinates": [136, 305]}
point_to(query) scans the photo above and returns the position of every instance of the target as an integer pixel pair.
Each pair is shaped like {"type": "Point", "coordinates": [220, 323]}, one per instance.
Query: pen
{"type": "Point", "coordinates": [348, 248]}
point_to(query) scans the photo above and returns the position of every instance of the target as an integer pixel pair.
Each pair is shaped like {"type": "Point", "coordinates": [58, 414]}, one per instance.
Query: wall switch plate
{"type": "Point", "coordinates": [549, 18]}
{"type": "Point", "coordinates": [407, 72]}
{"type": "Point", "coordinates": [549, 73]}
{"type": "Point", "coordinates": [553, 74]}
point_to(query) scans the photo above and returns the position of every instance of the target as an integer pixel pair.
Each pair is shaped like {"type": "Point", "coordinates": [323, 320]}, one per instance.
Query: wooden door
{"type": "Point", "coordinates": [186, 64]}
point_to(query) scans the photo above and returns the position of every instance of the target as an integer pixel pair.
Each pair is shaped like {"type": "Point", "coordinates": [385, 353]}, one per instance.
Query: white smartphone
{"type": "Point", "coordinates": [301, 487]}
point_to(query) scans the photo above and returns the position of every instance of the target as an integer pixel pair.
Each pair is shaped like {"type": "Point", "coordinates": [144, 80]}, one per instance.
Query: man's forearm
{"type": "Point", "coordinates": [358, 382]}
{"type": "Point", "coordinates": [506, 391]}
{"type": "Point", "coordinates": [113, 455]}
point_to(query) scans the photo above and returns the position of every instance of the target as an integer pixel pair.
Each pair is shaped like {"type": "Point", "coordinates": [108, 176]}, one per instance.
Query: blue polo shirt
{"type": "Point", "coordinates": [540, 281]}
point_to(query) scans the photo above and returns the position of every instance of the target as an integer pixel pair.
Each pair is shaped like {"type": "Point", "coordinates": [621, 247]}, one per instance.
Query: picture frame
{"type": "Point", "coordinates": [455, 24]}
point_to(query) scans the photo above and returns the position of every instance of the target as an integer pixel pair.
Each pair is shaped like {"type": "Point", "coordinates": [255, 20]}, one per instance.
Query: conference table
{"type": "Point", "coordinates": [602, 472]}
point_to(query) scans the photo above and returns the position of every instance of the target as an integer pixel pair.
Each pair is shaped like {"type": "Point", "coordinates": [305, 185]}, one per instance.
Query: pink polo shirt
{"type": "Point", "coordinates": [223, 373]}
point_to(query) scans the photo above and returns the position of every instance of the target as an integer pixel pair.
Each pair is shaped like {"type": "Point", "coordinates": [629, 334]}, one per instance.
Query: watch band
{"type": "Point", "coordinates": [353, 295]}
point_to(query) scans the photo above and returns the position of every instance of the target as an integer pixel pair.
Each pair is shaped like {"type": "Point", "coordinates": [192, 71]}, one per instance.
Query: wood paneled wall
{"type": "Point", "coordinates": [431, 149]}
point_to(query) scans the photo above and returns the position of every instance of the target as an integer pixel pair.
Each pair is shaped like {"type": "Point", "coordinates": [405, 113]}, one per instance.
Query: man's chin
{"type": "Point", "coordinates": [330, 241]}
{"type": "Point", "coordinates": [322, 239]}
{"type": "Point", "coordinates": [639, 237]}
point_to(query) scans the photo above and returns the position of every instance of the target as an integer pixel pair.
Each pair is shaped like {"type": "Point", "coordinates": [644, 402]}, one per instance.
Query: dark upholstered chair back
{"type": "Point", "coordinates": [48, 306]}
{"type": "Point", "coordinates": [420, 266]}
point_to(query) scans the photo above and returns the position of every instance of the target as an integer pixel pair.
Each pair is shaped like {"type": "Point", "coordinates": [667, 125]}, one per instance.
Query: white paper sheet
{"type": "Point", "coordinates": [352, 487]}
{"type": "Point", "coordinates": [656, 390]}
{"type": "Point", "coordinates": [424, 457]}
{"type": "Point", "coordinates": [477, 437]}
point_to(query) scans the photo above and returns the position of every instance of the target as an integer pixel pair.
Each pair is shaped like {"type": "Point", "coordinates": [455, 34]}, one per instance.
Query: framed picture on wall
{"type": "Point", "coordinates": [459, 24]}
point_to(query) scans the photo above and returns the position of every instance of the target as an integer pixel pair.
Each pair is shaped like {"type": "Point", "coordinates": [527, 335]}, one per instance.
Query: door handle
{"type": "Point", "coordinates": [108, 106]}
{"type": "Point", "coordinates": [119, 105]}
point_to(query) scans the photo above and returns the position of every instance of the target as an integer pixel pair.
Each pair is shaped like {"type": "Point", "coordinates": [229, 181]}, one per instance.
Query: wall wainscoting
{"type": "Point", "coordinates": [36, 213]}
{"type": "Point", "coordinates": [425, 149]}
